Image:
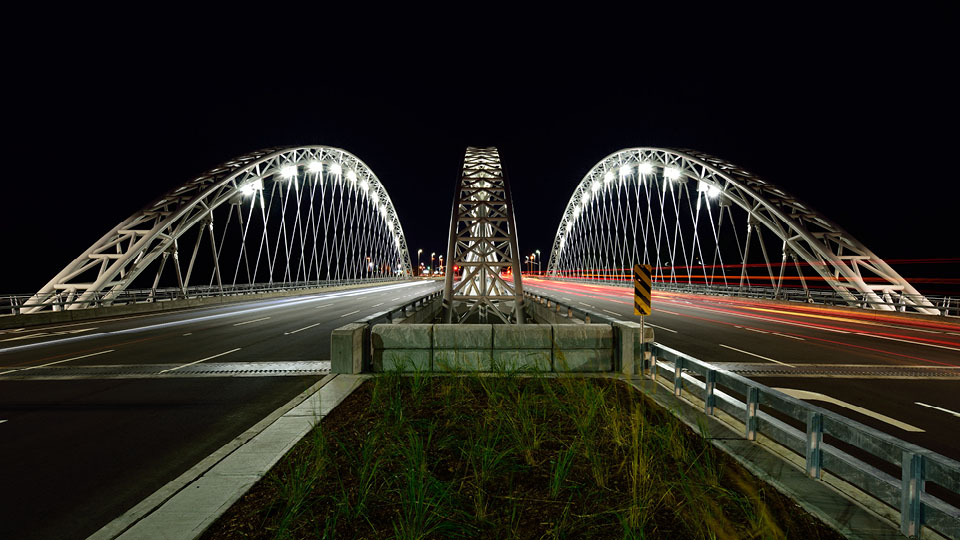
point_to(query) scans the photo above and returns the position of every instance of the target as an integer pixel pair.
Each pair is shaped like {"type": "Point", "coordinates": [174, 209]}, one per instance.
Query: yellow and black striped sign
{"type": "Point", "coordinates": [642, 283]}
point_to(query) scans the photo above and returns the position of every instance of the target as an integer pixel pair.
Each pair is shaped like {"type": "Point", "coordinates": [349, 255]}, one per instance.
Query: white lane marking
{"type": "Point", "coordinates": [954, 333]}
{"type": "Point", "coordinates": [787, 335]}
{"type": "Point", "coordinates": [911, 341]}
{"type": "Point", "coordinates": [47, 334]}
{"type": "Point", "coordinates": [202, 360]}
{"type": "Point", "coordinates": [584, 304]}
{"type": "Point", "coordinates": [754, 354]}
{"type": "Point", "coordinates": [661, 327]}
{"type": "Point", "coordinates": [59, 361]}
{"type": "Point", "coordinates": [253, 321]}
{"type": "Point", "coordinates": [378, 305]}
{"type": "Point", "coordinates": [955, 413]}
{"type": "Point", "coordinates": [397, 298]}
{"type": "Point", "coordinates": [188, 334]}
{"type": "Point", "coordinates": [816, 396]}
{"type": "Point", "coordinates": [2, 421]}
{"type": "Point", "coordinates": [565, 298]}
{"type": "Point", "coordinates": [348, 314]}
{"type": "Point", "coordinates": [302, 329]}
{"type": "Point", "coordinates": [322, 306]}
{"type": "Point", "coordinates": [755, 330]}
{"type": "Point", "coordinates": [611, 312]}
{"type": "Point", "coordinates": [666, 311]}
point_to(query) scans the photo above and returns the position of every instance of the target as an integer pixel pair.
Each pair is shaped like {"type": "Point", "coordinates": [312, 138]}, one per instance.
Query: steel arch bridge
{"type": "Point", "coordinates": [300, 215]}
{"type": "Point", "coordinates": [693, 217]}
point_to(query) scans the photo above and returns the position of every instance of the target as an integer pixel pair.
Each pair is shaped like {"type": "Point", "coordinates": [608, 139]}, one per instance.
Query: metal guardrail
{"type": "Point", "coordinates": [401, 312]}
{"type": "Point", "coordinates": [15, 303]}
{"type": "Point", "coordinates": [948, 305]}
{"type": "Point", "coordinates": [569, 310]}
{"type": "Point", "coordinates": [751, 403]}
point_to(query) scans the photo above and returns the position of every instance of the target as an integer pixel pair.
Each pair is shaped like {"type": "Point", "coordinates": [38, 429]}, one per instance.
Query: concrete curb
{"type": "Point", "coordinates": [839, 511]}
{"type": "Point", "coordinates": [186, 506]}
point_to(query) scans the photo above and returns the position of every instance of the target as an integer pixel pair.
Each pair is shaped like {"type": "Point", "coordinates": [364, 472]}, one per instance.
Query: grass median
{"type": "Point", "coordinates": [508, 456]}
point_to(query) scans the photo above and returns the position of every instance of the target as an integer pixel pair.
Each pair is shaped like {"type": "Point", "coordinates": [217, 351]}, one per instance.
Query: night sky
{"type": "Point", "coordinates": [858, 121]}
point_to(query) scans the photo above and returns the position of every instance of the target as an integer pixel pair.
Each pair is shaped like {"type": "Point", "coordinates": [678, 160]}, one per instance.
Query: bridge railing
{"type": "Point", "coordinates": [892, 471]}
{"type": "Point", "coordinates": [948, 305]}
{"type": "Point", "coordinates": [13, 304]}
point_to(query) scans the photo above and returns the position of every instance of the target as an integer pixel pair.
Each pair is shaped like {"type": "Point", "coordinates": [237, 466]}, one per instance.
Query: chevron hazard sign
{"type": "Point", "coordinates": [642, 283]}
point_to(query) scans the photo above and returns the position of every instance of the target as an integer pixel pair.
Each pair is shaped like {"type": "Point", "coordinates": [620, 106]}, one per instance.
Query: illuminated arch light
{"type": "Point", "coordinates": [336, 169]}
{"type": "Point", "coordinates": [576, 213]}
{"type": "Point", "coordinates": [375, 198]}
{"type": "Point", "coordinates": [595, 186]}
{"type": "Point", "coordinates": [288, 171]}
{"type": "Point", "coordinates": [352, 175]}
{"type": "Point", "coordinates": [645, 168]}
{"type": "Point", "coordinates": [364, 185]}
{"type": "Point", "coordinates": [608, 176]}
{"type": "Point", "coordinates": [250, 188]}
{"type": "Point", "coordinates": [626, 170]}
{"type": "Point", "coordinates": [315, 167]}
{"type": "Point", "coordinates": [671, 173]}
{"type": "Point", "coordinates": [586, 198]}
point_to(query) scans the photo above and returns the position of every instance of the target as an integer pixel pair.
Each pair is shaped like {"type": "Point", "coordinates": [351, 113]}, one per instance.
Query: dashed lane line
{"type": "Point", "coordinates": [816, 396]}
{"type": "Point", "coordinates": [378, 305]}
{"type": "Point", "coordinates": [348, 314]}
{"type": "Point", "coordinates": [253, 321]}
{"type": "Point", "coordinates": [201, 360]}
{"type": "Point", "coordinates": [188, 334]}
{"type": "Point", "coordinates": [787, 336]}
{"type": "Point", "coordinates": [755, 330]}
{"type": "Point", "coordinates": [948, 411]}
{"type": "Point", "coordinates": [757, 355]}
{"type": "Point", "coordinates": [59, 361]}
{"type": "Point", "coordinates": [612, 312]}
{"type": "Point", "coordinates": [302, 329]}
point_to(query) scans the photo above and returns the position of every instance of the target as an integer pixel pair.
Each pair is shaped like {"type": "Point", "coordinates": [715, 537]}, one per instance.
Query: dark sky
{"type": "Point", "coordinates": [859, 120]}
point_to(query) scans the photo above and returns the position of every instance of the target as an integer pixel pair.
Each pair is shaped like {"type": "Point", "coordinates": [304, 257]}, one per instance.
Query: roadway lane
{"type": "Point", "coordinates": [812, 349]}
{"type": "Point", "coordinates": [76, 454]}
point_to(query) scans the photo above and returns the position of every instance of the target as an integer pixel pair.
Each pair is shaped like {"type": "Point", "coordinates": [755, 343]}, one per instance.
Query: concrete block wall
{"type": "Point", "coordinates": [487, 347]}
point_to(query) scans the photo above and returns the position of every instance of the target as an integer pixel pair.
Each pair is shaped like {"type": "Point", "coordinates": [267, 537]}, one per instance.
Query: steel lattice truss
{"type": "Point", "coordinates": [694, 217]}
{"type": "Point", "coordinates": [483, 242]}
{"type": "Point", "coordinates": [278, 216]}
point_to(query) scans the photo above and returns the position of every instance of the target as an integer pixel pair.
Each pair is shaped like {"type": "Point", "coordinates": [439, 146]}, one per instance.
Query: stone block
{"type": "Point", "coordinates": [346, 348]}
{"type": "Point", "coordinates": [533, 360]}
{"type": "Point", "coordinates": [406, 360]}
{"type": "Point", "coordinates": [462, 336]}
{"type": "Point", "coordinates": [582, 336]}
{"type": "Point", "coordinates": [522, 336]}
{"type": "Point", "coordinates": [583, 360]}
{"type": "Point", "coordinates": [462, 359]}
{"type": "Point", "coordinates": [401, 336]}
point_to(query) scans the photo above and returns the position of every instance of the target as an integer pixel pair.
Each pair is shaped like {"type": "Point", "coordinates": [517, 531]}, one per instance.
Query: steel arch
{"type": "Point", "coordinates": [833, 253]}
{"type": "Point", "coordinates": [127, 249]}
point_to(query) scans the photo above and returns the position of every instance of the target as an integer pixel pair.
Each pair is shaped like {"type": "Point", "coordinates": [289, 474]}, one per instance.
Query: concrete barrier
{"type": "Point", "coordinates": [632, 357]}
{"type": "Point", "coordinates": [404, 347]}
{"type": "Point", "coordinates": [346, 348]}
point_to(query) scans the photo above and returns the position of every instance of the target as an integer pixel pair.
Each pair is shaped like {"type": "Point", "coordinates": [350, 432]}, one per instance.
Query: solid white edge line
{"type": "Point", "coordinates": [955, 413]}
{"type": "Point", "coordinates": [203, 360]}
{"type": "Point", "coordinates": [253, 321]}
{"type": "Point", "coordinates": [806, 395]}
{"type": "Point", "coordinates": [302, 329]}
{"type": "Point", "coordinates": [757, 355]}
{"type": "Point", "coordinates": [59, 361]}
{"type": "Point", "coordinates": [909, 341]}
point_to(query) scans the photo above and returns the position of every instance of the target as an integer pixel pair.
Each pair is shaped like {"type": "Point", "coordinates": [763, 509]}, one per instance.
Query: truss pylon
{"type": "Point", "coordinates": [482, 245]}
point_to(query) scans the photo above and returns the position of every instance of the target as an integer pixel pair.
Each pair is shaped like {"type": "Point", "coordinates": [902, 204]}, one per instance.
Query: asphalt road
{"type": "Point", "coordinates": [76, 453]}
{"type": "Point", "coordinates": [780, 345]}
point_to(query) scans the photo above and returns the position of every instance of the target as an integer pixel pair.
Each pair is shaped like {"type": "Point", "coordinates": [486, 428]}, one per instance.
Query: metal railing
{"type": "Point", "coordinates": [396, 314]}
{"type": "Point", "coordinates": [568, 310]}
{"type": "Point", "coordinates": [15, 303]}
{"type": "Point", "coordinates": [752, 403]}
{"type": "Point", "coordinates": [948, 305]}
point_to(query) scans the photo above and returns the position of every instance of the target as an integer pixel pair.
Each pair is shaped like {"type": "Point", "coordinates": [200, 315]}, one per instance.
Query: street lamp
{"type": "Point", "coordinates": [538, 261]}
{"type": "Point", "coordinates": [419, 251]}
{"type": "Point", "coordinates": [442, 269]}
{"type": "Point", "coordinates": [433, 270]}
{"type": "Point", "coordinates": [527, 259]}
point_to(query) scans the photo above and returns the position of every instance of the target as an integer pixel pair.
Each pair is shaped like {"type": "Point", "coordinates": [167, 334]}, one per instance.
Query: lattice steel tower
{"type": "Point", "coordinates": [483, 244]}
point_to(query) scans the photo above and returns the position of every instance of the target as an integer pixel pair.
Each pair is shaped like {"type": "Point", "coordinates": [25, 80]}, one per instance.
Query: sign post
{"type": "Point", "coordinates": [642, 285]}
